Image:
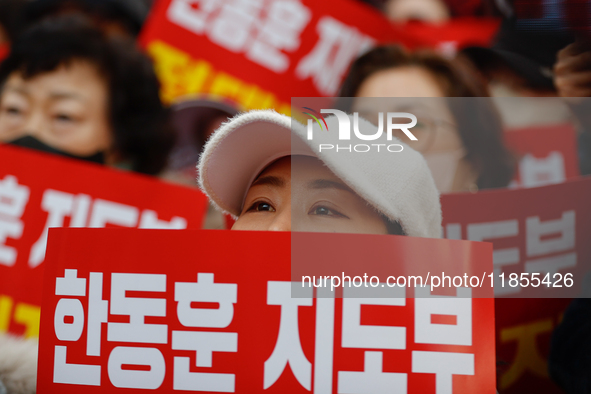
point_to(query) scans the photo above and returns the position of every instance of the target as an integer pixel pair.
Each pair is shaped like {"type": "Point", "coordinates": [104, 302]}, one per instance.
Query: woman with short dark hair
{"type": "Point", "coordinates": [69, 89]}
{"type": "Point", "coordinates": [482, 159]}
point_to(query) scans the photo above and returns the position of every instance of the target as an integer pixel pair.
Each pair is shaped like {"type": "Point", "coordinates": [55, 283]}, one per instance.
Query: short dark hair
{"type": "Point", "coordinates": [479, 123]}
{"type": "Point", "coordinates": [140, 123]}
{"type": "Point", "coordinates": [128, 14]}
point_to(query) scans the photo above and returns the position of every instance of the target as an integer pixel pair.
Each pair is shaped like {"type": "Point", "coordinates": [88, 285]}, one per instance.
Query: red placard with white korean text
{"type": "Point", "coordinates": [547, 154]}
{"type": "Point", "coordinates": [260, 53]}
{"type": "Point", "coordinates": [542, 229]}
{"type": "Point", "coordinates": [212, 311]}
{"type": "Point", "coordinates": [38, 191]}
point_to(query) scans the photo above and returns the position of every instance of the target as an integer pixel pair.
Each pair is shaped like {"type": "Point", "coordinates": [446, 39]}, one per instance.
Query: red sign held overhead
{"type": "Point", "coordinates": [39, 191]}
{"type": "Point", "coordinates": [454, 35]}
{"type": "Point", "coordinates": [212, 311]}
{"type": "Point", "coordinates": [260, 53]}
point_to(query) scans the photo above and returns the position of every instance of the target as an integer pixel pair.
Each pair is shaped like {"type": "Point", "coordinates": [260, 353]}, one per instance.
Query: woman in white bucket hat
{"type": "Point", "coordinates": [263, 168]}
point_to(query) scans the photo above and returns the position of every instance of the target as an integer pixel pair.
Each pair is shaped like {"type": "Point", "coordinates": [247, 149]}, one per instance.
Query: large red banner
{"type": "Point", "coordinates": [260, 53]}
{"type": "Point", "coordinates": [39, 191]}
{"type": "Point", "coordinates": [539, 230]}
{"type": "Point", "coordinates": [212, 311]}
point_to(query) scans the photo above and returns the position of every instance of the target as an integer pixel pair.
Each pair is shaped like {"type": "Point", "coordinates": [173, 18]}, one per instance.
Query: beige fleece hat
{"type": "Point", "coordinates": [392, 177]}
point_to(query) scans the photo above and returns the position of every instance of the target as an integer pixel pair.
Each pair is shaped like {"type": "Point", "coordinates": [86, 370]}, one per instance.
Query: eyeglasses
{"type": "Point", "coordinates": [426, 130]}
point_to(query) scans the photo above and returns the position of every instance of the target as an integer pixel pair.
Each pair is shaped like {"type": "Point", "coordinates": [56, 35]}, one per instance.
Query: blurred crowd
{"type": "Point", "coordinates": [62, 51]}
{"type": "Point", "coordinates": [74, 82]}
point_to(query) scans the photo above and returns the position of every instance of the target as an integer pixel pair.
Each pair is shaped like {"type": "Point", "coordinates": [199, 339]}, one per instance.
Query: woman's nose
{"type": "Point", "coordinates": [281, 221]}
{"type": "Point", "coordinates": [34, 124]}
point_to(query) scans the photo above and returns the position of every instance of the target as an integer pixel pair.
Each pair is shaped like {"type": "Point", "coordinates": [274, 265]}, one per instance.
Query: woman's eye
{"type": "Point", "coordinates": [324, 211]}
{"type": "Point", "coordinates": [423, 126]}
{"type": "Point", "coordinates": [64, 118]}
{"type": "Point", "coordinates": [12, 110]}
{"type": "Point", "coordinates": [261, 206]}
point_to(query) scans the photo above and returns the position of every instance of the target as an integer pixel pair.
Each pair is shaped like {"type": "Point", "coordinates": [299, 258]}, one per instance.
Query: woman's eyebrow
{"type": "Point", "coordinates": [16, 89]}
{"type": "Point", "coordinates": [328, 184]}
{"type": "Point", "coordinates": [269, 180]}
{"type": "Point", "coordinates": [66, 96]}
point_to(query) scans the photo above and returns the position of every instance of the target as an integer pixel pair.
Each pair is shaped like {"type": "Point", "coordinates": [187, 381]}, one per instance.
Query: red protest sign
{"type": "Point", "coordinates": [541, 230]}
{"type": "Point", "coordinates": [213, 311]}
{"type": "Point", "coordinates": [260, 53]}
{"type": "Point", "coordinates": [456, 34]}
{"type": "Point", "coordinates": [547, 154]}
{"type": "Point", "coordinates": [436, 266]}
{"type": "Point", "coordinates": [538, 230]}
{"type": "Point", "coordinates": [38, 191]}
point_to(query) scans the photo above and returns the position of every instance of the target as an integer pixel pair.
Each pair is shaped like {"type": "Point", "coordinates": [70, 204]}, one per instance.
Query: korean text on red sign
{"type": "Point", "coordinates": [39, 191]}
{"type": "Point", "coordinates": [260, 53]}
{"type": "Point", "coordinates": [169, 312]}
{"type": "Point", "coordinates": [542, 230]}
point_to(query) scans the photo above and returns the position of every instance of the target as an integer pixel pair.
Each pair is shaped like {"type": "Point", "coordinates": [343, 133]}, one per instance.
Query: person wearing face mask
{"type": "Point", "coordinates": [68, 89]}
{"type": "Point", "coordinates": [260, 168]}
{"type": "Point", "coordinates": [462, 140]}
{"type": "Point", "coordinates": [18, 365]}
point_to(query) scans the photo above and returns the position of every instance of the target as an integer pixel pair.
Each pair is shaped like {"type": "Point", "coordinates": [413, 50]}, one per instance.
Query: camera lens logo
{"type": "Point", "coordinates": [315, 118]}
{"type": "Point", "coordinates": [350, 128]}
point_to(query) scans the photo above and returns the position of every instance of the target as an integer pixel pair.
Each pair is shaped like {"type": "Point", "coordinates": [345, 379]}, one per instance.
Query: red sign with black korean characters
{"type": "Point", "coordinates": [38, 191]}
{"type": "Point", "coordinates": [547, 154]}
{"type": "Point", "coordinates": [212, 311]}
{"type": "Point", "coordinates": [260, 53]}
{"type": "Point", "coordinates": [542, 231]}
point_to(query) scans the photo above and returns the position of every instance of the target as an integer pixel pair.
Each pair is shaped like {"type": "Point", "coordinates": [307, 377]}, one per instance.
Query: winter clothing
{"type": "Point", "coordinates": [18, 365]}
{"type": "Point", "coordinates": [397, 184]}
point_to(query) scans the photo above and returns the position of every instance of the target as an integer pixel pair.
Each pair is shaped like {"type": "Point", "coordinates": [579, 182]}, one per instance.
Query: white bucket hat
{"type": "Point", "coordinates": [397, 184]}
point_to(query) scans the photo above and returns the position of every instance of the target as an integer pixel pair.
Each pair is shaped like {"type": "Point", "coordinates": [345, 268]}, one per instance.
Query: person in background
{"type": "Point", "coordinates": [18, 365]}
{"type": "Point", "coordinates": [526, 64]}
{"type": "Point", "coordinates": [114, 17]}
{"type": "Point", "coordinates": [431, 11]}
{"type": "Point", "coordinates": [67, 88]}
{"type": "Point", "coordinates": [572, 71]}
{"type": "Point", "coordinates": [519, 64]}
{"type": "Point", "coordinates": [462, 139]}
{"type": "Point", "coordinates": [195, 120]}
{"type": "Point", "coordinates": [572, 79]}
{"type": "Point", "coordinates": [569, 362]}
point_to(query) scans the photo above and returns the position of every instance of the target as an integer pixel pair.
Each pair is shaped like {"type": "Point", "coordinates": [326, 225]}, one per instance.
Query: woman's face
{"type": "Point", "coordinates": [414, 89]}
{"type": "Point", "coordinates": [431, 11]}
{"type": "Point", "coordinates": [65, 109]}
{"type": "Point", "coordinates": [299, 193]}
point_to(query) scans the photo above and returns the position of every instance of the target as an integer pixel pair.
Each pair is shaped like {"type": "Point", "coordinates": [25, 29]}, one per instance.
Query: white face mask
{"type": "Point", "coordinates": [443, 167]}
{"type": "Point", "coordinates": [519, 111]}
